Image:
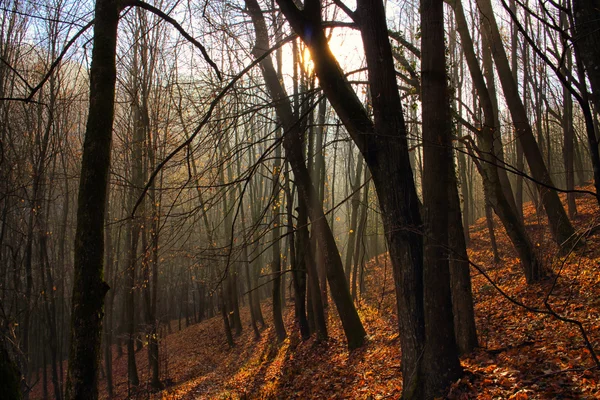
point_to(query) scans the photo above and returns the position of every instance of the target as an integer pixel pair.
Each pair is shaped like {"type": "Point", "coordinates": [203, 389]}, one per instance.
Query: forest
{"type": "Point", "coordinates": [279, 199]}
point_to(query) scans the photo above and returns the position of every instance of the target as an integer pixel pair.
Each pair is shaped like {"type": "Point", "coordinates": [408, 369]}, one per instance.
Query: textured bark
{"type": "Point", "coordinates": [440, 356]}
{"type": "Point", "coordinates": [89, 287]}
{"type": "Point", "coordinates": [108, 319]}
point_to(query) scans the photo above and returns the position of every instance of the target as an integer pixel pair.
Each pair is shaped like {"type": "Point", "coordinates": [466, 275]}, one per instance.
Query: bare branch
{"type": "Point", "coordinates": [176, 25]}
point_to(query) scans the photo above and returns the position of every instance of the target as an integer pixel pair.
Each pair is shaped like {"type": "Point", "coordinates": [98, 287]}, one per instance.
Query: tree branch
{"type": "Point", "coordinates": [176, 25]}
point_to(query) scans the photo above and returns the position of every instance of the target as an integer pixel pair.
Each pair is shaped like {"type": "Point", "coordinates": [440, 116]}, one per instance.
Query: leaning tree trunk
{"type": "Point", "coordinates": [353, 328]}
{"type": "Point", "coordinates": [560, 226]}
{"type": "Point", "coordinates": [384, 147]}
{"type": "Point", "coordinates": [494, 190]}
{"type": "Point", "coordinates": [89, 288]}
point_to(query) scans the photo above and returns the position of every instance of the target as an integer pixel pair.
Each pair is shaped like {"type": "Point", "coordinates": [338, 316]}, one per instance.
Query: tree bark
{"type": "Point", "coordinates": [89, 288]}
{"type": "Point", "coordinates": [440, 357]}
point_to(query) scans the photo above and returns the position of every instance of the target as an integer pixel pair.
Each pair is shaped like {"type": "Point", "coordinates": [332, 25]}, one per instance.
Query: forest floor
{"type": "Point", "coordinates": [522, 354]}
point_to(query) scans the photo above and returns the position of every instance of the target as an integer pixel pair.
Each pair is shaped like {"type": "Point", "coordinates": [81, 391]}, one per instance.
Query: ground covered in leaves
{"type": "Point", "coordinates": [536, 352]}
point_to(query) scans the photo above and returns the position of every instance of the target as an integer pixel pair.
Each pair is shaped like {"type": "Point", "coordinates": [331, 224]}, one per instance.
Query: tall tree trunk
{"type": "Point", "coordinates": [152, 321]}
{"type": "Point", "coordinates": [440, 356]}
{"type": "Point", "coordinates": [568, 139]}
{"type": "Point", "coordinates": [297, 266]}
{"type": "Point", "coordinates": [353, 328]}
{"type": "Point", "coordinates": [519, 161]}
{"type": "Point", "coordinates": [495, 192]}
{"type": "Point", "coordinates": [355, 202]}
{"type": "Point", "coordinates": [107, 343]}
{"type": "Point", "coordinates": [586, 48]}
{"type": "Point", "coordinates": [560, 226]}
{"type": "Point", "coordinates": [276, 250]}
{"type": "Point", "coordinates": [89, 288]}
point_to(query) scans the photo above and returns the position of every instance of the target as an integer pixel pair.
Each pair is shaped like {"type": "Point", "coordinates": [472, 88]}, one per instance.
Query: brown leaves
{"type": "Point", "coordinates": [523, 355]}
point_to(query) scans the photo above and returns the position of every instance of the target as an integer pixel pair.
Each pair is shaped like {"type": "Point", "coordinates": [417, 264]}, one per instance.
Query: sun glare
{"type": "Point", "coordinates": [346, 46]}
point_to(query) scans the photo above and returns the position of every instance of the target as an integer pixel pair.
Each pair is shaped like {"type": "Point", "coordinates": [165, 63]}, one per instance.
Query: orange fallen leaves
{"type": "Point", "coordinates": [523, 355]}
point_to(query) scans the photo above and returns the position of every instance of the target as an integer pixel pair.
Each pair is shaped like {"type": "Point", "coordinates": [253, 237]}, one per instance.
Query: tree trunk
{"type": "Point", "coordinates": [355, 201]}
{"type": "Point", "coordinates": [560, 226]}
{"type": "Point", "coordinates": [276, 251]}
{"type": "Point", "coordinates": [569, 143]}
{"type": "Point", "coordinates": [360, 237]}
{"type": "Point", "coordinates": [353, 328]}
{"type": "Point", "coordinates": [440, 357]}
{"type": "Point", "coordinates": [89, 288]}
{"type": "Point", "coordinates": [586, 48]}
{"type": "Point", "coordinates": [296, 265]}
{"type": "Point", "coordinates": [495, 192]}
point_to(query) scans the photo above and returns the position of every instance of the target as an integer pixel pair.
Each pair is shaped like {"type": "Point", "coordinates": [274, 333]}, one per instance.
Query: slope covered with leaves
{"type": "Point", "coordinates": [525, 353]}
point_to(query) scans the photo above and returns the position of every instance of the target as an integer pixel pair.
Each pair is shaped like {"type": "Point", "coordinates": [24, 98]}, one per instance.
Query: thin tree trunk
{"type": "Point", "coordinates": [568, 137]}
{"type": "Point", "coordinates": [355, 202]}
{"type": "Point", "coordinates": [360, 236]}
{"type": "Point", "coordinates": [276, 251]}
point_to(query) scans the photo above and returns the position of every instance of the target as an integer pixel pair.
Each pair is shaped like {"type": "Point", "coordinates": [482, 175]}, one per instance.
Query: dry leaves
{"type": "Point", "coordinates": [523, 355]}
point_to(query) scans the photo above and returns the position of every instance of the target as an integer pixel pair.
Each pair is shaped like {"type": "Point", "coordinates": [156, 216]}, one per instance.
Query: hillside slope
{"type": "Point", "coordinates": [523, 354]}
